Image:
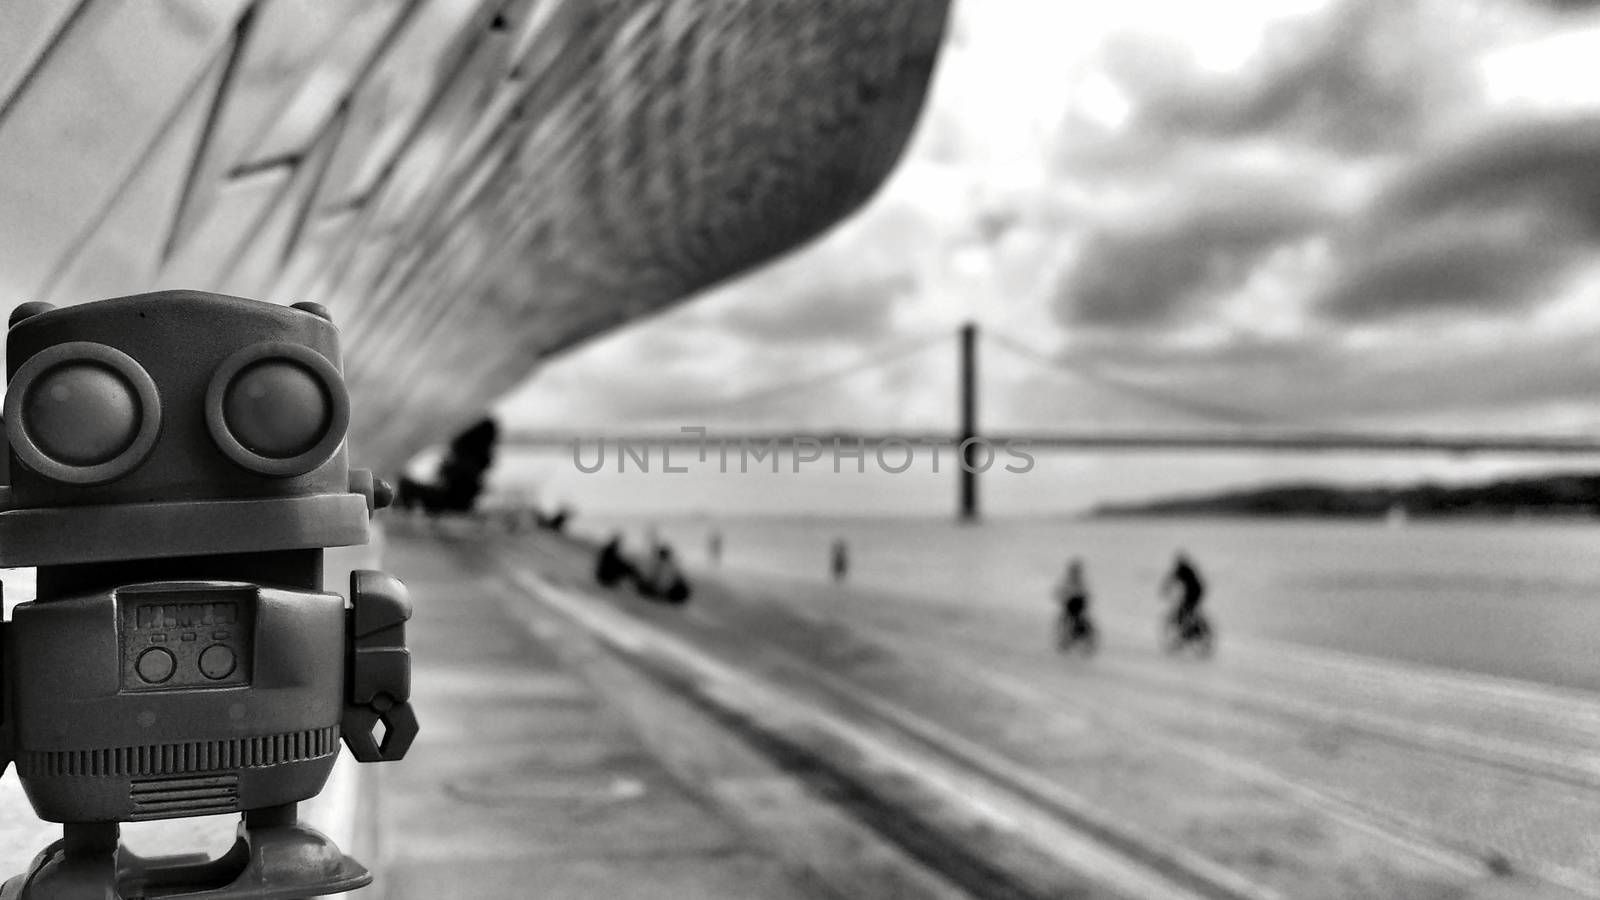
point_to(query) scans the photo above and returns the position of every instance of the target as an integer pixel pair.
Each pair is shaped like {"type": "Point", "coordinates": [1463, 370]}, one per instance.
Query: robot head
{"type": "Point", "coordinates": [176, 423]}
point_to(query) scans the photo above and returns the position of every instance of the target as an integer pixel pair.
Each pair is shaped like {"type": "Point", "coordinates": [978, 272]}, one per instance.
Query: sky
{"type": "Point", "coordinates": [1329, 213]}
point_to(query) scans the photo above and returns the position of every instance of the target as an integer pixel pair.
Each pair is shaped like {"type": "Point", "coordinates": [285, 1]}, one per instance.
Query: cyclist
{"type": "Point", "coordinates": [1185, 579]}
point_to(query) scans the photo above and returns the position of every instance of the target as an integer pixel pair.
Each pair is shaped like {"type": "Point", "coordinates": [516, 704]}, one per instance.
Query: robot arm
{"type": "Point", "coordinates": [378, 669]}
{"type": "Point", "coordinates": [5, 711]}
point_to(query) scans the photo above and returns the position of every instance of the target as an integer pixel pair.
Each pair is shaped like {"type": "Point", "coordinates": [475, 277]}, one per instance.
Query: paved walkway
{"type": "Point", "coordinates": [1269, 772]}
{"type": "Point", "coordinates": [793, 739]}
{"type": "Point", "coordinates": [524, 783]}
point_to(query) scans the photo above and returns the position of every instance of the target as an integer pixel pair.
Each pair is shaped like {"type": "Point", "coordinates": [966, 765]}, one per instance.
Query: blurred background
{"type": "Point", "coordinates": [1371, 216]}
{"type": "Point", "coordinates": [1302, 293]}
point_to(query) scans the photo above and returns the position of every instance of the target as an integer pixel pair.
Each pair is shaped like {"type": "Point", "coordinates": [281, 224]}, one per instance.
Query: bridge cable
{"type": "Point", "coordinates": [872, 360]}
{"type": "Point", "coordinates": [1057, 366]}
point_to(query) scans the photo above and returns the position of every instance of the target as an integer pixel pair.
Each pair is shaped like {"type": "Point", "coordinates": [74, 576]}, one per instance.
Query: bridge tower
{"type": "Point", "coordinates": [968, 388]}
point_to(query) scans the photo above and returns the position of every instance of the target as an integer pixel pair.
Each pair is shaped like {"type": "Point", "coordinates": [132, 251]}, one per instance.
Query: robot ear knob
{"type": "Point", "coordinates": [377, 491]}
{"type": "Point", "coordinates": [382, 493]}
{"type": "Point", "coordinates": [316, 309]}
{"type": "Point", "coordinates": [28, 310]}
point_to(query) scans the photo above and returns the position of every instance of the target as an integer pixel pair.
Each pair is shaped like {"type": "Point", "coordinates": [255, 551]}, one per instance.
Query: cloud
{"type": "Point", "coordinates": [1391, 378]}
{"type": "Point", "coordinates": [1443, 271]}
{"type": "Point", "coordinates": [1566, 6]}
{"type": "Point", "coordinates": [623, 377]}
{"type": "Point", "coordinates": [1214, 171]}
{"type": "Point", "coordinates": [846, 287]}
{"type": "Point", "coordinates": [831, 308]}
{"type": "Point", "coordinates": [1151, 272]}
{"type": "Point", "coordinates": [1359, 77]}
{"type": "Point", "coordinates": [1551, 165]}
{"type": "Point", "coordinates": [1492, 224]}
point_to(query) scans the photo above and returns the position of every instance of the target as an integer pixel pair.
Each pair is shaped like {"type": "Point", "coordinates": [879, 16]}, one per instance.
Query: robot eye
{"type": "Point", "coordinates": [277, 409]}
{"type": "Point", "coordinates": [82, 413]}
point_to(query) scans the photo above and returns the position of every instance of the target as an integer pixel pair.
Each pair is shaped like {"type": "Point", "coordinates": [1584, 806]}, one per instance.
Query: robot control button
{"type": "Point", "coordinates": [156, 665]}
{"type": "Point", "coordinates": [217, 662]}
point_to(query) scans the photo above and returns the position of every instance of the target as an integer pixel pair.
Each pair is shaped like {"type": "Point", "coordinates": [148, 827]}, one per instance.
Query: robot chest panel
{"type": "Point", "coordinates": [186, 640]}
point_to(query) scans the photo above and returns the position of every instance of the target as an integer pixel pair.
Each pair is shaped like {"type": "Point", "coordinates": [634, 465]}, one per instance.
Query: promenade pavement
{"type": "Point", "coordinates": [526, 783]}
{"type": "Point", "coordinates": [1269, 772]}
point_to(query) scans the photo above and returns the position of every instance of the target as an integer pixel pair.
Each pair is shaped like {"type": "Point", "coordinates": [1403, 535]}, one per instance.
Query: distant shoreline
{"type": "Point", "coordinates": [1464, 516]}
{"type": "Point", "coordinates": [1565, 497]}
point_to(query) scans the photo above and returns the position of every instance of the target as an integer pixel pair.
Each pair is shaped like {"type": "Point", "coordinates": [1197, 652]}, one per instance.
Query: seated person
{"type": "Point", "coordinates": [611, 566]}
{"type": "Point", "coordinates": [665, 580]}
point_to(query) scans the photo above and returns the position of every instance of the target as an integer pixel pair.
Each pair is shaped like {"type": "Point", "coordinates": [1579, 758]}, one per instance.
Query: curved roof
{"type": "Point", "coordinates": [468, 186]}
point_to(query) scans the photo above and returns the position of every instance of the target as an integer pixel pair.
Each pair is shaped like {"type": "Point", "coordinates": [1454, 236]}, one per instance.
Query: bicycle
{"type": "Point", "coordinates": [1190, 630]}
{"type": "Point", "coordinates": [1076, 631]}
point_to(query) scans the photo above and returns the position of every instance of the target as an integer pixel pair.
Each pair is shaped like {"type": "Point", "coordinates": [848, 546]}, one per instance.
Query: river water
{"type": "Point", "coordinates": [1512, 599]}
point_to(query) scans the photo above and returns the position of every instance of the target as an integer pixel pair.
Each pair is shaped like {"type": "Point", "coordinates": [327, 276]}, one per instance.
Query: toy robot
{"type": "Point", "coordinates": [176, 468]}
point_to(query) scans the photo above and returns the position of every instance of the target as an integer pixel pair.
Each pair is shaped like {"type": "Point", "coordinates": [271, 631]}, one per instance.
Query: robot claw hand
{"type": "Point", "coordinates": [379, 669]}
{"type": "Point", "coordinates": [358, 726]}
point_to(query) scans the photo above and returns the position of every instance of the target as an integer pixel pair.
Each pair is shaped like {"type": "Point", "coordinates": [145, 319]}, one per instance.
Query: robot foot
{"type": "Point", "coordinates": [274, 858]}
{"type": "Point", "coordinates": [82, 864]}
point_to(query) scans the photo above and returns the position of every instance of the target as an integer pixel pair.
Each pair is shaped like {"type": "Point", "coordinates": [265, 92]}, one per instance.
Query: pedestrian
{"type": "Point", "coordinates": [1073, 626]}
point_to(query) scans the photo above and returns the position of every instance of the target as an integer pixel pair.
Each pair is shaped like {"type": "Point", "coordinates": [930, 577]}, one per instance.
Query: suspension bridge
{"type": "Point", "coordinates": [1233, 429]}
